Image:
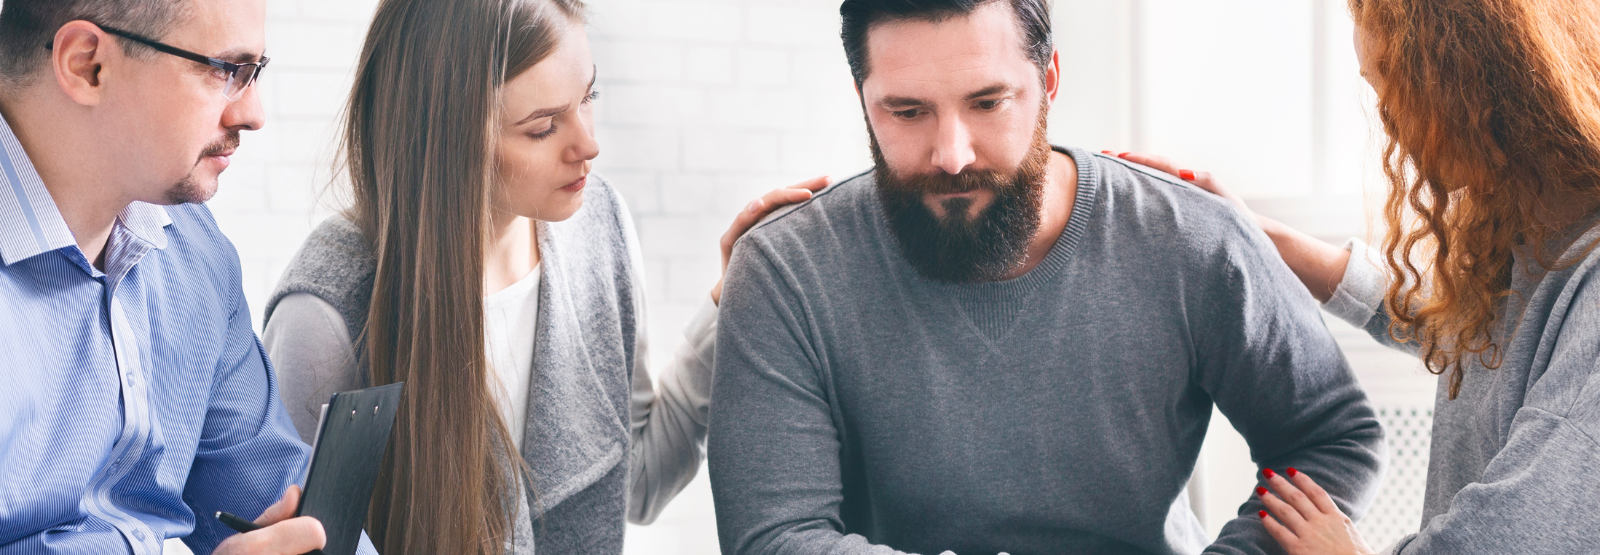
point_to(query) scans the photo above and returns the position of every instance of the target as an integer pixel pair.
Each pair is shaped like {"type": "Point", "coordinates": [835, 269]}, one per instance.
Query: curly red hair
{"type": "Point", "coordinates": [1492, 109]}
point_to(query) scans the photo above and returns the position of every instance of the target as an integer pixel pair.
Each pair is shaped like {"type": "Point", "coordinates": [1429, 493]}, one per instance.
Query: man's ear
{"type": "Point", "coordinates": [1052, 76]}
{"type": "Point", "coordinates": [77, 59]}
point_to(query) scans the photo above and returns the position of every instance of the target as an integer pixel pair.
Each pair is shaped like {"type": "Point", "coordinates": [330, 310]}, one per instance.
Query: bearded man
{"type": "Point", "coordinates": [988, 344]}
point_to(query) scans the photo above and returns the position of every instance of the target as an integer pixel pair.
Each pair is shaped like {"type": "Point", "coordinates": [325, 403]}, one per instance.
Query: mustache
{"type": "Point", "coordinates": [943, 183]}
{"type": "Point", "coordinates": [226, 143]}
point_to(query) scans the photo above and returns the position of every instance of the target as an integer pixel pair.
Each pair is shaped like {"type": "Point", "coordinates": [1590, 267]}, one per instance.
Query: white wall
{"type": "Point", "coordinates": [707, 103]}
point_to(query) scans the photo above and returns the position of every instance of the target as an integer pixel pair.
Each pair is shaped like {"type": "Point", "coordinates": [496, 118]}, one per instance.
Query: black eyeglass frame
{"type": "Point", "coordinates": [224, 65]}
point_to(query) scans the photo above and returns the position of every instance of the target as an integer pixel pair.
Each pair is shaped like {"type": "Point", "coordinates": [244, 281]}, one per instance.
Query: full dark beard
{"type": "Point", "coordinates": [188, 190]}
{"type": "Point", "coordinates": [956, 248]}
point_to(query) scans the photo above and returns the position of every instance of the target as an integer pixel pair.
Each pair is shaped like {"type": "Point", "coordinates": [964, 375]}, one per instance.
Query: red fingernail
{"type": "Point", "coordinates": [1123, 155]}
{"type": "Point", "coordinates": [1261, 491]}
{"type": "Point", "coordinates": [1292, 472]}
{"type": "Point", "coordinates": [1106, 152]}
{"type": "Point", "coordinates": [1262, 514]}
{"type": "Point", "coordinates": [1268, 472]}
{"type": "Point", "coordinates": [1186, 175]}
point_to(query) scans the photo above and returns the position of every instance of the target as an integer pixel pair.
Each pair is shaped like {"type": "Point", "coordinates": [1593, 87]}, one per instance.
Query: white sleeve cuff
{"type": "Point", "coordinates": [1360, 293]}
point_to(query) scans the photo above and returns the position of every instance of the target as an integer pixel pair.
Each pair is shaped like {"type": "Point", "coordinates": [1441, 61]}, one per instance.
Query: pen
{"type": "Point", "coordinates": [237, 523]}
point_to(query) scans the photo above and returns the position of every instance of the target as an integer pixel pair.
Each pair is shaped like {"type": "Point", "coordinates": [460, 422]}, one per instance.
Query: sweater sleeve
{"type": "Point", "coordinates": [1264, 355]}
{"type": "Point", "coordinates": [311, 349]}
{"type": "Point", "coordinates": [1536, 495]}
{"type": "Point", "coordinates": [669, 425]}
{"type": "Point", "coordinates": [1359, 298]}
{"type": "Point", "coordinates": [774, 445]}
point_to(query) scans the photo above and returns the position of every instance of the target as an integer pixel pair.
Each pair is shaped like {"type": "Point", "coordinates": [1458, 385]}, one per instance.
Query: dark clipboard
{"type": "Point", "coordinates": [346, 453]}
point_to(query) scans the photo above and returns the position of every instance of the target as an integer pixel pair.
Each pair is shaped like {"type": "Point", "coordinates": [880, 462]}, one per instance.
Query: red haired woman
{"type": "Point", "coordinates": [1488, 270]}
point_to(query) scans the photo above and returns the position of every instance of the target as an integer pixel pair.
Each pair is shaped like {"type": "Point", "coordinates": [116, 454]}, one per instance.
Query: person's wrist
{"type": "Point", "coordinates": [1272, 227]}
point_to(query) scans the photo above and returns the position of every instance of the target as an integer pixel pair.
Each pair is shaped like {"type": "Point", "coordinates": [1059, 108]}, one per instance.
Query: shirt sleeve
{"type": "Point", "coordinates": [310, 345]}
{"type": "Point", "coordinates": [248, 452]}
{"type": "Point", "coordinates": [1536, 495]}
{"type": "Point", "coordinates": [669, 426]}
{"type": "Point", "coordinates": [1359, 298]}
{"type": "Point", "coordinates": [774, 447]}
{"type": "Point", "coordinates": [1271, 366]}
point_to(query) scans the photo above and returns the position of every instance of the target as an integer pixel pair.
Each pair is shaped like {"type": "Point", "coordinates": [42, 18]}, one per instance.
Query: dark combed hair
{"type": "Point", "coordinates": [26, 26]}
{"type": "Point", "coordinates": [859, 16]}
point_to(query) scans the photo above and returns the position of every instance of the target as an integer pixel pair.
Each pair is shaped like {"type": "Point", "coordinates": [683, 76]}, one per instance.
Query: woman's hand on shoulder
{"type": "Point", "coordinates": [1319, 265]}
{"type": "Point", "coordinates": [758, 209]}
{"type": "Point", "coordinates": [1201, 179]}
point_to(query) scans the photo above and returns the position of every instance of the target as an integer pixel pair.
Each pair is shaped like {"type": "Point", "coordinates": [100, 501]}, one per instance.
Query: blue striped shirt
{"type": "Point", "coordinates": [133, 399]}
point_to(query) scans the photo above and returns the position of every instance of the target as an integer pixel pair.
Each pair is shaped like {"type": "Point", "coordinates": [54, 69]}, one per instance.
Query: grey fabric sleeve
{"type": "Point", "coordinates": [1359, 298]}
{"type": "Point", "coordinates": [310, 347]}
{"type": "Point", "coordinates": [668, 426]}
{"type": "Point", "coordinates": [1266, 358]}
{"type": "Point", "coordinates": [775, 478]}
{"type": "Point", "coordinates": [1537, 493]}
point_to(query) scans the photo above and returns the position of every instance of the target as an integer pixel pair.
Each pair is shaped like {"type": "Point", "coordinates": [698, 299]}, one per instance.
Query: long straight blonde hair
{"type": "Point", "coordinates": [418, 146]}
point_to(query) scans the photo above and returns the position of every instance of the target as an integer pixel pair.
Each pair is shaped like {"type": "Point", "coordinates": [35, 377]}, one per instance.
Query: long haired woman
{"type": "Point", "coordinates": [485, 266]}
{"type": "Point", "coordinates": [1488, 271]}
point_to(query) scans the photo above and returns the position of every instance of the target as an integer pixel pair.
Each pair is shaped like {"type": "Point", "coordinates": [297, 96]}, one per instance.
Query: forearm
{"type": "Point", "coordinates": [670, 422]}
{"type": "Point", "coordinates": [1319, 265]}
{"type": "Point", "coordinates": [1348, 469]}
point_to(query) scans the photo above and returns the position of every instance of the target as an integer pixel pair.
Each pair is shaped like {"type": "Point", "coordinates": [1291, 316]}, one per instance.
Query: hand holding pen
{"type": "Point", "coordinates": [274, 532]}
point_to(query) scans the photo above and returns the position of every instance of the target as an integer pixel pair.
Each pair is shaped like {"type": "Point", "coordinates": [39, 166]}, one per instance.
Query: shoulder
{"type": "Point", "coordinates": [1178, 220]}
{"type": "Point", "coordinates": [1153, 197]}
{"type": "Point", "coordinates": [847, 209]}
{"type": "Point", "coordinates": [335, 264]}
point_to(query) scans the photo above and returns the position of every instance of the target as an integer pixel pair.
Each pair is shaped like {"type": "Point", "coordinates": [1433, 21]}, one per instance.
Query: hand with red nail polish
{"type": "Point", "coordinates": [1304, 519]}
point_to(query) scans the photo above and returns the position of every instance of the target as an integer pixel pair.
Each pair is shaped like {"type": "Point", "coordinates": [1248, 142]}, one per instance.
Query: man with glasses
{"type": "Point", "coordinates": [137, 401]}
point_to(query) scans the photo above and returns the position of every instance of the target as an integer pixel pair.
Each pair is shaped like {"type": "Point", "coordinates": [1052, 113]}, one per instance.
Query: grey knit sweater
{"type": "Point", "coordinates": [1514, 459]}
{"type": "Point", "coordinates": [600, 441]}
{"type": "Point", "coordinates": [863, 409]}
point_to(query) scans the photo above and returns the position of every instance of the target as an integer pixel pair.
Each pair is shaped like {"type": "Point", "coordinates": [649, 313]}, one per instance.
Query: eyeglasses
{"type": "Point", "coordinates": [240, 76]}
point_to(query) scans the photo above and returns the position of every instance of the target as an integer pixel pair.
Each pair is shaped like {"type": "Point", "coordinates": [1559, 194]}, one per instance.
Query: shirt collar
{"type": "Point", "coordinates": [30, 222]}
{"type": "Point", "coordinates": [147, 222]}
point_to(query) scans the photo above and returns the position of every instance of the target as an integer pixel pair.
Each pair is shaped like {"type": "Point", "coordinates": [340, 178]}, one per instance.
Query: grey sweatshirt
{"type": "Point", "coordinates": [860, 408]}
{"type": "Point", "coordinates": [1514, 460]}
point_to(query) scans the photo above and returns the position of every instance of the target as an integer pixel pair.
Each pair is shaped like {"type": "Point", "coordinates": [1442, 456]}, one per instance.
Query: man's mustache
{"type": "Point", "coordinates": [944, 183]}
{"type": "Point", "coordinates": [226, 143]}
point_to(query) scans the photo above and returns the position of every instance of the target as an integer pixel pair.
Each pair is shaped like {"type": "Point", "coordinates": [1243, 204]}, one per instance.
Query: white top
{"type": "Point", "coordinates": [509, 319]}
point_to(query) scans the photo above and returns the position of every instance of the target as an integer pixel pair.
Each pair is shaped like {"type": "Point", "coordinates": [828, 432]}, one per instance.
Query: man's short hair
{"type": "Point", "coordinates": [26, 26]}
{"type": "Point", "coordinates": [859, 16]}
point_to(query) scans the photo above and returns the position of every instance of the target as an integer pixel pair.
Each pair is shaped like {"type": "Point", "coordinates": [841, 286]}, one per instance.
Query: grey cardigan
{"type": "Point", "coordinates": [1514, 457]}
{"type": "Point", "coordinates": [591, 401]}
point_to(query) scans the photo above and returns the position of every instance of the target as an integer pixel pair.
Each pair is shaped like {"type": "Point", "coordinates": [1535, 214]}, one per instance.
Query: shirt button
{"type": "Point", "coordinates": [139, 534]}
